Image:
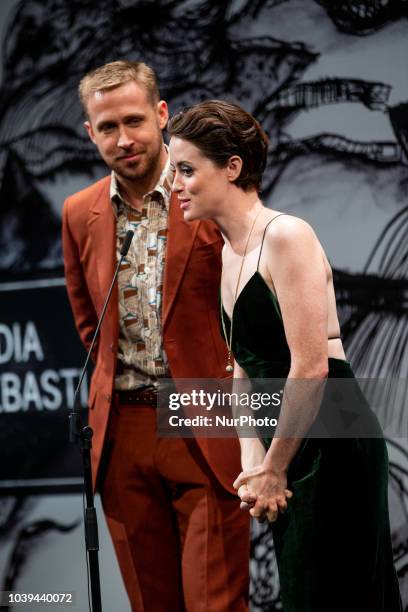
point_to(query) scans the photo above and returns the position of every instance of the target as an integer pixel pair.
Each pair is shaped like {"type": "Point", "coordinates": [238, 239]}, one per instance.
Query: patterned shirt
{"type": "Point", "coordinates": [141, 357]}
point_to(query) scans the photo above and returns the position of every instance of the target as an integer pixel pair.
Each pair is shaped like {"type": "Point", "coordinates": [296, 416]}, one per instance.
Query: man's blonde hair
{"type": "Point", "coordinates": [115, 74]}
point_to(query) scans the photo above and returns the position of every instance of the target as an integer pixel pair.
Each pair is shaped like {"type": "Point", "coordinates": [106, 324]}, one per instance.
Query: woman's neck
{"type": "Point", "coordinates": [236, 220]}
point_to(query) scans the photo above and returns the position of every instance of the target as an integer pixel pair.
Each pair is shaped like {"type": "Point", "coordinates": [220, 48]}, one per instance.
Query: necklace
{"type": "Point", "coordinates": [229, 367]}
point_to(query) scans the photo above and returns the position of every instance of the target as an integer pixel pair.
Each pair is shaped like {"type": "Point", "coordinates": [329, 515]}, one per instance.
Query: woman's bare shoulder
{"type": "Point", "coordinates": [288, 231]}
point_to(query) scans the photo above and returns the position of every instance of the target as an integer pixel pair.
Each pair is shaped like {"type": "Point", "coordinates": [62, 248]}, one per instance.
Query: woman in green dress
{"type": "Point", "coordinates": [326, 498]}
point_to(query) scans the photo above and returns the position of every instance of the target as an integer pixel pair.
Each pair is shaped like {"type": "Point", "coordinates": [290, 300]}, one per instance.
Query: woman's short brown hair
{"type": "Point", "coordinates": [221, 130]}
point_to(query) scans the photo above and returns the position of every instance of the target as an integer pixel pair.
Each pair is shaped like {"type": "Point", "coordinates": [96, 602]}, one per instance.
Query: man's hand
{"type": "Point", "coordinates": [247, 498]}
{"type": "Point", "coordinates": [263, 492]}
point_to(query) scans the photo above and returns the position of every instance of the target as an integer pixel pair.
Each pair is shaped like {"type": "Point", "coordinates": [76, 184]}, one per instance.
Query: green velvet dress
{"type": "Point", "coordinates": [333, 544]}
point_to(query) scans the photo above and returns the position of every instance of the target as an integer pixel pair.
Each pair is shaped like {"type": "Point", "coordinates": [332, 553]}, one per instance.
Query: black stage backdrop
{"type": "Point", "coordinates": [327, 80]}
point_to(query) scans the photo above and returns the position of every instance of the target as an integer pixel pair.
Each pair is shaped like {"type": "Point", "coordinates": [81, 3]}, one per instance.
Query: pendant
{"type": "Point", "coordinates": [229, 367]}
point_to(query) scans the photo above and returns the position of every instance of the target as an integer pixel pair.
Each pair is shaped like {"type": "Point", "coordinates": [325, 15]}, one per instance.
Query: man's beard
{"type": "Point", "coordinates": [144, 169]}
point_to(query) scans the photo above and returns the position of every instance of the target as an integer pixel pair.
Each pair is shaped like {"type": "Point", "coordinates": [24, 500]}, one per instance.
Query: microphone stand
{"type": "Point", "coordinates": [82, 436]}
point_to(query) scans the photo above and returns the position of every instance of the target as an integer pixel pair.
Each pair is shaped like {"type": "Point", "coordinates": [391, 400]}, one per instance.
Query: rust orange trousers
{"type": "Point", "coordinates": [181, 541]}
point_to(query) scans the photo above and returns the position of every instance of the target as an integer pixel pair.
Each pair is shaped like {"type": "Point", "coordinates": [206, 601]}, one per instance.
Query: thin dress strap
{"type": "Point", "coordinates": [260, 253]}
{"type": "Point", "coordinates": [263, 237]}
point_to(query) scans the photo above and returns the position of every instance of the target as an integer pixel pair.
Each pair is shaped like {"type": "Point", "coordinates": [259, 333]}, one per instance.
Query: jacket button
{"type": "Point", "coordinates": [112, 348]}
{"type": "Point", "coordinates": [108, 397]}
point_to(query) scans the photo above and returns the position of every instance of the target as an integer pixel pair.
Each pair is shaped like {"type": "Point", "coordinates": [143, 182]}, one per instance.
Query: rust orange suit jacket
{"type": "Point", "coordinates": [191, 334]}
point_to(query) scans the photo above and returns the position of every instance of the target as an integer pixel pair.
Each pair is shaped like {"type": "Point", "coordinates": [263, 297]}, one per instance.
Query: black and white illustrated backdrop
{"type": "Point", "coordinates": [328, 81]}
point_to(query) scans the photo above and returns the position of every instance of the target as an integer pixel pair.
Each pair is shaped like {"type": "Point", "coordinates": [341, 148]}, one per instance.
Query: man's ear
{"type": "Point", "coordinates": [234, 168]}
{"type": "Point", "coordinates": [89, 129]}
{"type": "Point", "coordinates": [162, 114]}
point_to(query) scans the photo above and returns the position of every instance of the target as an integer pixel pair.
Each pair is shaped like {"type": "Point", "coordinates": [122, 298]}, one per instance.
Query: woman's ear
{"type": "Point", "coordinates": [234, 168]}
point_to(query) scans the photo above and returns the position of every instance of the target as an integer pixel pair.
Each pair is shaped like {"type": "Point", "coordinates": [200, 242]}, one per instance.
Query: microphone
{"type": "Point", "coordinates": [74, 417]}
{"type": "Point", "coordinates": [126, 243]}
{"type": "Point", "coordinates": [83, 437]}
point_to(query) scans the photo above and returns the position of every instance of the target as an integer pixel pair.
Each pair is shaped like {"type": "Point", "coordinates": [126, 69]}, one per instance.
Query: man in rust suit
{"type": "Point", "coordinates": [180, 538]}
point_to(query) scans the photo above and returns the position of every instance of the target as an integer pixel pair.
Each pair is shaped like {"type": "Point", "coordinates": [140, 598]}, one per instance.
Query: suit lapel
{"type": "Point", "coordinates": [102, 229]}
{"type": "Point", "coordinates": [180, 240]}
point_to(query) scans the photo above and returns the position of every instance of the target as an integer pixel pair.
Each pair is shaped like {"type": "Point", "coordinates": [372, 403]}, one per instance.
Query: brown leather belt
{"type": "Point", "coordinates": [146, 396]}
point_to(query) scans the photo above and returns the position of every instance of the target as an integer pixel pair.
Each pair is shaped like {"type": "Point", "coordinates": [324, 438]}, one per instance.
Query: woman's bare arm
{"type": "Point", "coordinates": [294, 261]}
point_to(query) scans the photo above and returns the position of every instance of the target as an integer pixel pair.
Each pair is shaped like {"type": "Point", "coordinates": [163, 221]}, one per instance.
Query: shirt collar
{"type": "Point", "coordinates": [162, 187]}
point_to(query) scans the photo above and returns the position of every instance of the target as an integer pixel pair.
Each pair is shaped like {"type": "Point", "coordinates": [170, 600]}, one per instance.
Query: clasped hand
{"type": "Point", "coordinates": [263, 492]}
